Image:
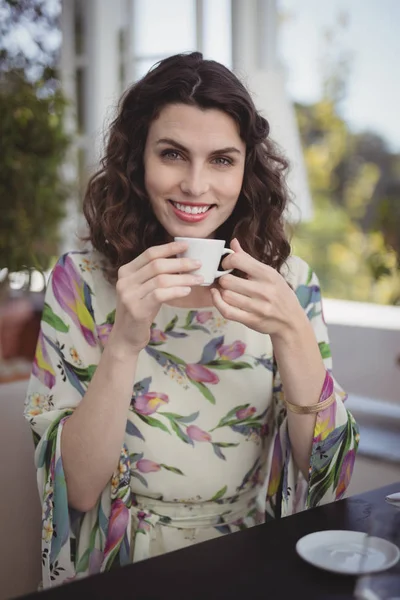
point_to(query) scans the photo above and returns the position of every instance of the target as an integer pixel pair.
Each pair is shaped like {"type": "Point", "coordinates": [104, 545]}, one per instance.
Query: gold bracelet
{"type": "Point", "coordinates": [311, 408]}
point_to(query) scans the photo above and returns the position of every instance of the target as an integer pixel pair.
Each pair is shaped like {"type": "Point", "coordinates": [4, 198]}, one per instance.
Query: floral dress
{"type": "Point", "coordinates": [206, 449]}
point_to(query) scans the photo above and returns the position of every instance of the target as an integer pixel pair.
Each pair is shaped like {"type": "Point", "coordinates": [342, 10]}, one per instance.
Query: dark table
{"type": "Point", "coordinates": [260, 562]}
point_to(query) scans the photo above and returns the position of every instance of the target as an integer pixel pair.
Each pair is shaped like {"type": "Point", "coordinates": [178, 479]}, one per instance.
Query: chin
{"type": "Point", "coordinates": [189, 231]}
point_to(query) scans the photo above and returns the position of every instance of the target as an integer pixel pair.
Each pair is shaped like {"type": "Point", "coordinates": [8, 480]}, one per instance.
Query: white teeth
{"type": "Point", "coordinates": [191, 210]}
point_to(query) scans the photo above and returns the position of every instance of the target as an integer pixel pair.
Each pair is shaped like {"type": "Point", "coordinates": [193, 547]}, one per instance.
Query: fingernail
{"type": "Point", "coordinates": [199, 278]}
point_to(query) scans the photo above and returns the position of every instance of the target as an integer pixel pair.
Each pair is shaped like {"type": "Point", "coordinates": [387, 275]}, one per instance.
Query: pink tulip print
{"type": "Point", "coordinates": [143, 524]}
{"type": "Point", "coordinates": [74, 297]}
{"type": "Point", "coordinates": [325, 423]}
{"type": "Point", "coordinates": [149, 403]}
{"type": "Point", "coordinates": [157, 336]}
{"type": "Point", "coordinates": [42, 367]}
{"type": "Point", "coordinates": [199, 373]}
{"type": "Point", "coordinates": [246, 413]}
{"type": "Point", "coordinates": [326, 419]}
{"type": "Point", "coordinates": [198, 435]}
{"type": "Point", "coordinates": [95, 561]}
{"type": "Point", "coordinates": [147, 466]}
{"type": "Point", "coordinates": [103, 332]}
{"type": "Point", "coordinates": [232, 351]}
{"type": "Point", "coordinates": [118, 523]}
{"type": "Point", "coordinates": [204, 316]}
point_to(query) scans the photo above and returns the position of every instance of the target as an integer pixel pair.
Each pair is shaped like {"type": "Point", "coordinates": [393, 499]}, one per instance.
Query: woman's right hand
{"type": "Point", "coordinates": [154, 277]}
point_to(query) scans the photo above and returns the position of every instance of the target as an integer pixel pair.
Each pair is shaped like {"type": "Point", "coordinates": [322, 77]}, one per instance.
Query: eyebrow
{"type": "Point", "coordinates": [172, 142]}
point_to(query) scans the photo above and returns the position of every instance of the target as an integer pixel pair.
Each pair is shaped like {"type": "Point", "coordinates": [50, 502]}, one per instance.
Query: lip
{"type": "Point", "coordinates": [188, 218]}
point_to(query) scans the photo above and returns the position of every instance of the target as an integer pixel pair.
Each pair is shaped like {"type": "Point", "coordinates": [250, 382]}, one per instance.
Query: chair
{"type": "Point", "coordinates": [20, 511]}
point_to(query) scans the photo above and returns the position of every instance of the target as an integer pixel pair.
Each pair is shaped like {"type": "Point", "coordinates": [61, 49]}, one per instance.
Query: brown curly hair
{"type": "Point", "coordinates": [116, 205]}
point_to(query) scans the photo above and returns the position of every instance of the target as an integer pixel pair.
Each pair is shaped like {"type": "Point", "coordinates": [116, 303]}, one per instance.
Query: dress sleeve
{"type": "Point", "coordinates": [68, 351]}
{"type": "Point", "coordinates": [336, 436]}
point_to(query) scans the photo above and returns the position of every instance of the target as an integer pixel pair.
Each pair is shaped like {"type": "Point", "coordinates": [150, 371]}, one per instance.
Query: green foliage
{"type": "Point", "coordinates": [33, 142]}
{"type": "Point", "coordinates": [33, 146]}
{"type": "Point", "coordinates": [353, 241]}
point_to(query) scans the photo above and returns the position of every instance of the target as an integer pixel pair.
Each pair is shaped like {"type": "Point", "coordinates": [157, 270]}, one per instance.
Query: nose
{"type": "Point", "coordinates": [195, 182]}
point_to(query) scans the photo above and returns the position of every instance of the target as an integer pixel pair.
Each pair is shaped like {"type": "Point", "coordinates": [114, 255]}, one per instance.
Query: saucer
{"type": "Point", "coordinates": [347, 552]}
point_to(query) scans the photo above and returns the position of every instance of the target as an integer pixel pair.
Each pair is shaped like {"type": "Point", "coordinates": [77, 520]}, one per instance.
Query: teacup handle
{"type": "Point", "coordinates": [226, 251]}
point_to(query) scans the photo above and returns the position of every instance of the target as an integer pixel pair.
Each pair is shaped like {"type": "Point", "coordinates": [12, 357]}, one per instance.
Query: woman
{"type": "Point", "coordinates": [166, 412]}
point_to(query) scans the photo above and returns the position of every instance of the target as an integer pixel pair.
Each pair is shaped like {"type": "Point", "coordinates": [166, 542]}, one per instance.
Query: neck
{"type": "Point", "coordinates": [199, 297]}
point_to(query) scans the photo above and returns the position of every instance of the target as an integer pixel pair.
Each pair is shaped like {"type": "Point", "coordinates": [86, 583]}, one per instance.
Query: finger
{"type": "Point", "coordinates": [168, 281]}
{"type": "Point", "coordinates": [235, 245]}
{"type": "Point", "coordinates": [255, 306]}
{"type": "Point", "coordinates": [247, 287]}
{"type": "Point", "coordinates": [166, 265]}
{"type": "Point", "coordinates": [154, 253]}
{"type": "Point", "coordinates": [232, 313]}
{"type": "Point", "coordinates": [242, 261]}
{"type": "Point", "coordinates": [162, 295]}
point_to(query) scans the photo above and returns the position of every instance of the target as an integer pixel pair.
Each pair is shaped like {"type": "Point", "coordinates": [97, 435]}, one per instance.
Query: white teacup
{"type": "Point", "coordinates": [209, 252]}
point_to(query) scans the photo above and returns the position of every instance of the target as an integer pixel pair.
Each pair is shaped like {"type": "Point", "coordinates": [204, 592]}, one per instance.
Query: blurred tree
{"type": "Point", "coordinates": [32, 147]}
{"type": "Point", "coordinates": [353, 242]}
{"type": "Point", "coordinates": [32, 137]}
{"type": "Point", "coordinates": [30, 37]}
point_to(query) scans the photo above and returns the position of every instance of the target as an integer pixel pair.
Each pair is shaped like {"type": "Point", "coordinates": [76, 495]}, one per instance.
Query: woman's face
{"type": "Point", "coordinates": [194, 164]}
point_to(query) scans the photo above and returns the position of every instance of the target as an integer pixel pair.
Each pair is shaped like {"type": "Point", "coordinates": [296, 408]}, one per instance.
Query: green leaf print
{"type": "Point", "coordinates": [204, 390]}
{"type": "Point", "coordinates": [327, 477]}
{"type": "Point", "coordinates": [228, 364]}
{"type": "Point", "coordinates": [153, 422]}
{"type": "Point", "coordinates": [171, 325]}
{"type": "Point", "coordinates": [317, 491]}
{"type": "Point", "coordinates": [41, 457]}
{"type": "Point", "coordinates": [139, 477]}
{"type": "Point", "coordinates": [172, 469]}
{"type": "Point", "coordinates": [189, 318]}
{"type": "Point", "coordinates": [135, 456]}
{"type": "Point", "coordinates": [180, 418]}
{"type": "Point", "coordinates": [325, 350]}
{"type": "Point", "coordinates": [218, 451]}
{"type": "Point", "coordinates": [84, 374]}
{"type": "Point", "coordinates": [231, 413]}
{"type": "Point", "coordinates": [111, 317]}
{"type": "Point", "coordinates": [171, 358]}
{"type": "Point", "coordinates": [250, 421]}
{"type": "Point", "coordinates": [342, 453]}
{"type": "Point", "coordinates": [83, 563]}
{"type": "Point", "coordinates": [249, 474]}
{"type": "Point", "coordinates": [226, 444]}
{"type": "Point", "coordinates": [49, 446]}
{"type": "Point", "coordinates": [197, 328]}
{"type": "Point", "coordinates": [219, 494]}
{"type": "Point", "coordinates": [52, 319]}
{"type": "Point", "coordinates": [112, 558]}
{"type": "Point", "coordinates": [181, 434]}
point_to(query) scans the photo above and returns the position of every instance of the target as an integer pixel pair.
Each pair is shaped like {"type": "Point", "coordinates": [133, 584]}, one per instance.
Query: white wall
{"type": "Point", "coordinates": [365, 340]}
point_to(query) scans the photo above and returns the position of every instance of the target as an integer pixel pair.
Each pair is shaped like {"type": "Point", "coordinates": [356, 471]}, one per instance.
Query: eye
{"type": "Point", "coordinates": [223, 161]}
{"type": "Point", "coordinates": [170, 154]}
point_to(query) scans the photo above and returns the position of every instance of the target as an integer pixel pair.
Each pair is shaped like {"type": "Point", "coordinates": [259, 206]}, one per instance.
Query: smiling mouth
{"type": "Point", "coordinates": [192, 209]}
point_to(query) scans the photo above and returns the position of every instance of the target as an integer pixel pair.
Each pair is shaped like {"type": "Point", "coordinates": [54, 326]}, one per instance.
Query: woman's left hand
{"type": "Point", "coordinates": [263, 302]}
